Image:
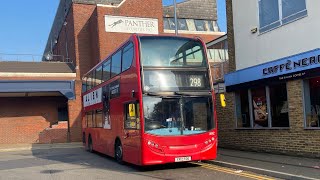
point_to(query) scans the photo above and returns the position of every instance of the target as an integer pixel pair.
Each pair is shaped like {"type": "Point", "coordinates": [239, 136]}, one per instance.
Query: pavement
{"type": "Point", "coordinates": [23, 147]}
{"type": "Point", "coordinates": [279, 166]}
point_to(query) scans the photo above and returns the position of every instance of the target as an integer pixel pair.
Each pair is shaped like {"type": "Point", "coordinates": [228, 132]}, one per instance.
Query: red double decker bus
{"type": "Point", "coordinates": [151, 102]}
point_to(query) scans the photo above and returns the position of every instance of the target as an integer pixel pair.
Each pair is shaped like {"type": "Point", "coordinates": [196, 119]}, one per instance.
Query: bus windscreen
{"type": "Point", "coordinates": [171, 52]}
{"type": "Point", "coordinates": [177, 116]}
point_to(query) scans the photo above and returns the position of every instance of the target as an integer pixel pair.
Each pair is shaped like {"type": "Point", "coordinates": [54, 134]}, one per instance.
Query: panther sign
{"type": "Point", "coordinates": [124, 24]}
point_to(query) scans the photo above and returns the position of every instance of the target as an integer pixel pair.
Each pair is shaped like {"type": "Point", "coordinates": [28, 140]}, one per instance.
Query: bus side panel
{"type": "Point", "coordinates": [103, 142]}
{"type": "Point", "coordinates": [107, 137]}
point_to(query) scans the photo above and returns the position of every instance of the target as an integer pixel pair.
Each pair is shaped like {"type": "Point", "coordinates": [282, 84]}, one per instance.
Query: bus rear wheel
{"type": "Point", "coordinates": [118, 152]}
{"type": "Point", "coordinates": [90, 146]}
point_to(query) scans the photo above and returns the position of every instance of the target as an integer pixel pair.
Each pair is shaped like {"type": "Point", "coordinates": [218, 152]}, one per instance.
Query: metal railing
{"type": "Point", "coordinates": [32, 58]}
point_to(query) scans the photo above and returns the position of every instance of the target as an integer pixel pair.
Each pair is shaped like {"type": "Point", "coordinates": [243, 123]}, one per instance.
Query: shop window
{"type": "Point", "coordinates": [279, 105]}
{"type": "Point", "coordinates": [312, 102]}
{"type": "Point", "coordinates": [263, 107]}
{"type": "Point", "coordinates": [274, 13]}
{"type": "Point", "coordinates": [259, 107]}
{"type": "Point", "coordinates": [243, 110]}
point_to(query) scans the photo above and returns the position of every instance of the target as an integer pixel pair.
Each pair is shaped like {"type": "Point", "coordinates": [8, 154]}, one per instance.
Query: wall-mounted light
{"type": "Point", "coordinates": [254, 30]}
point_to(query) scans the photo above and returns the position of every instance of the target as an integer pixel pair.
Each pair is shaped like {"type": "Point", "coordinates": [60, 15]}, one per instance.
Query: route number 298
{"type": "Point", "coordinates": [195, 82]}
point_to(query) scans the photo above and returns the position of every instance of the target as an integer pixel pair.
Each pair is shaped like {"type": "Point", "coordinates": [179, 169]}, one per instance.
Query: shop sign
{"type": "Point", "coordinates": [295, 75]}
{"type": "Point", "coordinates": [292, 66]}
{"type": "Point", "coordinates": [297, 66]}
{"type": "Point", "coordinates": [124, 24]}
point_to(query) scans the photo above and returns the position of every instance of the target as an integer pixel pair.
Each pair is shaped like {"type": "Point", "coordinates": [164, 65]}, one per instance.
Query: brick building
{"type": "Point", "coordinates": [34, 99]}
{"type": "Point", "coordinates": [84, 32]}
{"type": "Point", "coordinates": [273, 88]}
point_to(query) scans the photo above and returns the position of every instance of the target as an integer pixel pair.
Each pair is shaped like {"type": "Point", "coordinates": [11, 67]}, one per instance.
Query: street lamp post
{"type": "Point", "coordinates": [66, 39]}
{"type": "Point", "coordinates": [67, 60]}
{"type": "Point", "coordinates": [175, 17]}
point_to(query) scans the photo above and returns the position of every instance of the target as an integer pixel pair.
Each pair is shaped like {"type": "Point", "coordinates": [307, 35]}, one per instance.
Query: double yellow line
{"type": "Point", "coordinates": [230, 171]}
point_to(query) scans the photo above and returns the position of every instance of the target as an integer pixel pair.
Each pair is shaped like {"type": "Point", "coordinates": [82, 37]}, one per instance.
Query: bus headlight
{"type": "Point", "coordinates": [209, 141]}
{"type": "Point", "coordinates": [154, 146]}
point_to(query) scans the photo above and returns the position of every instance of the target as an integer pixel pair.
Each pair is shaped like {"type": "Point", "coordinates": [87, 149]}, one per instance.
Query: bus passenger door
{"type": "Point", "coordinates": [131, 133]}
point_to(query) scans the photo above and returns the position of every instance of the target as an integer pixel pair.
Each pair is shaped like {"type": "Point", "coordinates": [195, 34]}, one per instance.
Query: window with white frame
{"type": "Point", "coordinates": [274, 13]}
{"type": "Point", "coordinates": [191, 24]}
{"type": "Point", "coordinates": [262, 107]}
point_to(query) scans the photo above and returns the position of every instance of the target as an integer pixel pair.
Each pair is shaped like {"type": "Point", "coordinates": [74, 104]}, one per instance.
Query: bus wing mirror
{"type": "Point", "coordinates": [132, 110]}
{"type": "Point", "coordinates": [223, 100]}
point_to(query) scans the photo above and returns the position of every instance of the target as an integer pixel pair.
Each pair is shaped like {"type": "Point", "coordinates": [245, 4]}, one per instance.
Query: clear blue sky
{"type": "Point", "coordinates": [25, 24]}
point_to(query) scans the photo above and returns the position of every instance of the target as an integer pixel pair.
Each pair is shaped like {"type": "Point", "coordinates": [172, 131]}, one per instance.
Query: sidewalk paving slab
{"type": "Point", "coordinates": [279, 166]}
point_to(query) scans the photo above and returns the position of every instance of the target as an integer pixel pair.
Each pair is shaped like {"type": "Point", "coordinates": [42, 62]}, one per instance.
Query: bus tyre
{"type": "Point", "coordinates": [90, 147]}
{"type": "Point", "coordinates": [118, 152]}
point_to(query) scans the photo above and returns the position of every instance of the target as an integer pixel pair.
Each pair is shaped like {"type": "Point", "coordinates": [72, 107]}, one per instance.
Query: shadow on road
{"type": "Point", "coordinates": [59, 160]}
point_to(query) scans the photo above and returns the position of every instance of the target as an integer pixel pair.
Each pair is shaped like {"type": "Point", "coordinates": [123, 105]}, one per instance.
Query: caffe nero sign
{"type": "Point", "coordinates": [301, 65]}
{"type": "Point", "coordinates": [291, 66]}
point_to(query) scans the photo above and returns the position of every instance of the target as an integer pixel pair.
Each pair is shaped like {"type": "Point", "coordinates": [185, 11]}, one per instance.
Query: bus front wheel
{"type": "Point", "coordinates": [118, 152]}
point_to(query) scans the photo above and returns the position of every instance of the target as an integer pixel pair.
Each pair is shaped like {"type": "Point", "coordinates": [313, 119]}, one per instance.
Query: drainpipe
{"type": "Point", "coordinates": [68, 123]}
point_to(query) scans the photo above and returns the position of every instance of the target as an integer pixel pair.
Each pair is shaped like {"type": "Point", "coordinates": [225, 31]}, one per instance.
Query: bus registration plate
{"type": "Point", "coordinates": [181, 159]}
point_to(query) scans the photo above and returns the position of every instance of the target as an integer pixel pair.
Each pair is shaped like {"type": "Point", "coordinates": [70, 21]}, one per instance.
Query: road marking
{"type": "Point", "coordinates": [234, 172]}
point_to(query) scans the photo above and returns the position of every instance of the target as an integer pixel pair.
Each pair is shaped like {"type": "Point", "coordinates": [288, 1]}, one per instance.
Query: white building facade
{"type": "Point", "coordinates": [274, 89]}
{"type": "Point", "coordinates": [284, 28]}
